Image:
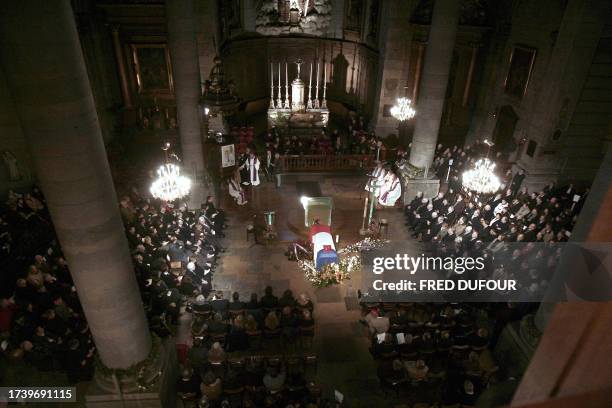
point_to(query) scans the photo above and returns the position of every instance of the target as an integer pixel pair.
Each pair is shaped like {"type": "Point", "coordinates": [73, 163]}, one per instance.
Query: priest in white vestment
{"type": "Point", "coordinates": [252, 165]}
{"type": "Point", "coordinates": [390, 191]}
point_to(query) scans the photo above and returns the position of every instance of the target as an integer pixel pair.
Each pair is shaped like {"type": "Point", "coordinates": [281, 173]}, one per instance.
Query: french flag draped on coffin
{"type": "Point", "coordinates": [324, 250]}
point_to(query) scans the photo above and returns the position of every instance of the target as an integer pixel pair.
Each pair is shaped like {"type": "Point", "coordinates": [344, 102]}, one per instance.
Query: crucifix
{"type": "Point", "coordinates": [298, 62]}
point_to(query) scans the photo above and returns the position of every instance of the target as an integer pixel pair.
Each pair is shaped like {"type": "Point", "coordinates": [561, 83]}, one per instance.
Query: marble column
{"type": "Point", "coordinates": [180, 15]}
{"type": "Point", "coordinates": [123, 80]}
{"type": "Point", "coordinates": [43, 61]}
{"type": "Point", "coordinates": [419, 68]}
{"type": "Point", "coordinates": [438, 56]}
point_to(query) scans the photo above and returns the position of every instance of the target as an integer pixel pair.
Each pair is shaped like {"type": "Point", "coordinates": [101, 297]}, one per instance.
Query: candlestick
{"type": "Point", "coordinates": [324, 104]}
{"type": "Point", "coordinates": [372, 204]}
{"type": "Point", "coordinates": [365, 212]}
{"type": "Point", "coordinates": [271, 85]}
{"type": "Point", "coordinates": [287, 104]}
{"type": "Point", "coordinates": [317, 88]}
{"type": "Point", "coordinates": [279, 100]}
{"type": "Point", "coordinates": [309, 105]}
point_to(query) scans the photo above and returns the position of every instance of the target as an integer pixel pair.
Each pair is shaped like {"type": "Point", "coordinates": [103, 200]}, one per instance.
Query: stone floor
{"type": "Point", "coordinates": [341, 342]}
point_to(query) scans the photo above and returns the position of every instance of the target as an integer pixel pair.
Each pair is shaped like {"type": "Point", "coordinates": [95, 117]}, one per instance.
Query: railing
{"type": "Point", "coordinates": [325, 163]}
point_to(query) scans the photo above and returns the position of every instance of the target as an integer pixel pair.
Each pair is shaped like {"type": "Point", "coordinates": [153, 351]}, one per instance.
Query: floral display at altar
{"type": "Point", "coordinates": [279, 17]}
{"type": "Point", "coordinates": [336, 273]}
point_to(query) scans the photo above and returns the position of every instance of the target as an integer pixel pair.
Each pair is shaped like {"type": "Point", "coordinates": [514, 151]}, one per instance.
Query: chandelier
{"type": "Point", "coordinates": [403, 111]}
{"type": "Point", "coordinates": [481, 178]}
{"type": "Point", "coordinates": [169, 184]}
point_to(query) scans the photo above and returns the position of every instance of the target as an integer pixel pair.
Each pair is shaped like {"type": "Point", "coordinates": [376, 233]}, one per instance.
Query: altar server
{"type": "Point", "coordinates": [376, 178]}
{"type": "Point", "coordinates": [244, 171]}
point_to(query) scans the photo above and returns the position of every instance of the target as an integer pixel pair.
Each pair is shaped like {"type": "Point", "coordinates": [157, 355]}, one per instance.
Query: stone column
{"type": "Point", "coordinates": [123, 80]}
{"type": "Point", "coordinates": [46, 74]}
{"type": "Point", "coordinates": [468, 81]}
{"type": "Point", "coordinates": [418, 70]}
{"type": "Point", "coordinates": [436, 68]}
{"type": "Point", "coordinates": [180, 15]}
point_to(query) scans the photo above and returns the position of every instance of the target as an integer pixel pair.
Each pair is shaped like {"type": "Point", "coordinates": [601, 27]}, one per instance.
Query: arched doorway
{"type": "Point", "coordinates": [503, 135]}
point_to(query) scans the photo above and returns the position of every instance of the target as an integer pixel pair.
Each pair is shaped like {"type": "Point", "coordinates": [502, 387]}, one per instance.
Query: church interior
{"type": "Point", "coordinates": [196, 194]}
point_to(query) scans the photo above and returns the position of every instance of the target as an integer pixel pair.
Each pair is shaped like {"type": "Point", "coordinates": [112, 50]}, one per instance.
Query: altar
{"type": "Point", "coordinates": [290, 108]}
{"type": "Point", "coordinates": [317, 209]}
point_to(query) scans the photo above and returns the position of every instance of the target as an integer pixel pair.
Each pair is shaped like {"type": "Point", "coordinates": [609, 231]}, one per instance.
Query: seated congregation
{"type": "Point", "coordinates": [443, 352]}
{"type": "Point", "coordinates": [250, 353]}
{"type": "Point", "coordinates": [42, 321]}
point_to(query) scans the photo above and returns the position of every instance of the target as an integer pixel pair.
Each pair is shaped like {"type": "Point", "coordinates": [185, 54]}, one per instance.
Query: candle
{"type": "Point", "coordinates": [310, 80]}
{"type": "Point", "coordinates": [324, 78]}
{"type": "Point", "coordinates": [365, 211]}
{"type": "Point", "coordinates": [280, 87]}
{"type": "Point", "coordinates": [286, 86]}
{"type": "Point", "coordinates": [324, 81]}
{"type": "Point", "coordinates": [337, 238]}
{"type": "Point", "coordinates": [317, 91]}
{"type": "Point", "coordinates": [272, 83]}
{"type": "Point", "coordinates": [310, 86]}
{"type": "Point", "coordinates": [372, 206]}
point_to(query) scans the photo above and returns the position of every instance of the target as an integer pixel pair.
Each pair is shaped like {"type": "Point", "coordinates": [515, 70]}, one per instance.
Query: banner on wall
{"type": "Point", "coordinates": [228, 156]}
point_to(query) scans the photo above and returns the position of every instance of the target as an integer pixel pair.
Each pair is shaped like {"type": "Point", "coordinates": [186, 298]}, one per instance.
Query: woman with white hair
{"type": "Point", "coordinates": [216, 354]}
{"type": "Point", "coordinates": [303, 302]}
{"type": "Point", "coordinates": [236, 191]}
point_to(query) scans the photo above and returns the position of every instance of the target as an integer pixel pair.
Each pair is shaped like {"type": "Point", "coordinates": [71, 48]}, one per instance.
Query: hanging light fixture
{"type": "Point", "coordinates": [482, 178]}
{"type": "Point", "coordinates": [403, 110]}
{"type": "Point", "coordinates": [169, 185]}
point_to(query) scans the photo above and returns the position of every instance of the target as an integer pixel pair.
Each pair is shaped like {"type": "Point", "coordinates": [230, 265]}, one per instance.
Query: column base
{"type": "Point", "coordinates": [429, 187]}
{"type": "Point", "coordinates": [516, 345]}
{"type": "Point", "coordinates": [108, 392]}
{"type": "Point", "coordinates": [365, 232]}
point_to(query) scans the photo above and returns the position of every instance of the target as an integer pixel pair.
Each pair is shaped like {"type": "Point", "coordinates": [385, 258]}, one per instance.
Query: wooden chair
{"type": "Point", "coordinates": [188, 400]}
{"type": "Point", "coordinates": [293, 363]}
{"type": "Point", "coordinates": [231, 392]}
{"type": "Point", "coordinates": [256, 363]}
{"type": "Point", "coordinates": [394, 385]}
{"type": "Point", "coordinates": [255, 339]}
{"type": "Point", "coordinates": [218, 338]}
{"type": "Point", "coordinates": [307, 333]}
{"type": "Point", "coordinates": [235, 313]}
{"type": "Point", "coordinates": [272, 337]}
{"type": "Point", "coordinates": [250, 230]}
{"type": "Point", "coordinates": [204, 315]}
{"type": "Point", "coordinates": [274, 361]}
{"type": "Point", "coordinates": [310, 360]}
{"type": "Point", "coordinates": [237, 363]}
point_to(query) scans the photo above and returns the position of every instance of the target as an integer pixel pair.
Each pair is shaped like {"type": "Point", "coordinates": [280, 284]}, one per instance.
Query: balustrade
{"type": "Point", "coordinates": [325, 163]}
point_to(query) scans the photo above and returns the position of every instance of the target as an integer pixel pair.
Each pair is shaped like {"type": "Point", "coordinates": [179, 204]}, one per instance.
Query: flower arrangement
{"type": "Point", "coordinates": [335, 273]}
